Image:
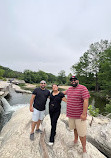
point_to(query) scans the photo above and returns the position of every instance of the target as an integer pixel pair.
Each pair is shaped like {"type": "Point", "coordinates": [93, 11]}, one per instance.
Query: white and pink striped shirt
{"type": "Point", "coordinates": [75, 99]}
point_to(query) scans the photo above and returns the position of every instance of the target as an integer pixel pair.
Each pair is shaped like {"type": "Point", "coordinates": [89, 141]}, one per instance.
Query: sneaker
{"type": "Point", "coordinates": [49, 143]}
{"type": "Point", "coordinates": [39, 131]}
{"type": "Point", "coordinates": [85, 155]}
{"type": "Point", "coordinates": [32, 136]}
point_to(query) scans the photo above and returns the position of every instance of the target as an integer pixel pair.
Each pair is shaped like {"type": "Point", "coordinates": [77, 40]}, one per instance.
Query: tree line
{"type": "Point", "coordinates": [34, 77]}
{"type": "Point", "coordinates": [93, 70]}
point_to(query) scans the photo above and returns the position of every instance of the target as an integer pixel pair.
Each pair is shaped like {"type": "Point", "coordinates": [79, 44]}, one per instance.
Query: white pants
{"type": "Point", "coordinates": [38, 115]}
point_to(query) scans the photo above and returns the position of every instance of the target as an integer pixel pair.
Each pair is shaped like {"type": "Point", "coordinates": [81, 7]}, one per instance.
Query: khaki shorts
{"type": "Point", "coordinates": [79, 125]}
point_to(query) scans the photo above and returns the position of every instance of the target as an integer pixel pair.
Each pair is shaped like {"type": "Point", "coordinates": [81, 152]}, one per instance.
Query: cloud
{"type": "Point", "coordinates": [50, 35]}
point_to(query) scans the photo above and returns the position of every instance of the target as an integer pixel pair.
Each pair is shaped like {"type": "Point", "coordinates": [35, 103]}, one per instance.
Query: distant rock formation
{"type": "Point", "coordinates": [16, 81]}
{"type": "Point", "coordinates": [19, 90]}
{"type": "Point", "coordinates": [15, 142]}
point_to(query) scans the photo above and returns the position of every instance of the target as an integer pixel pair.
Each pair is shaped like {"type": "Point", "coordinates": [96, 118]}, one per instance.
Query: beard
{"type": "Point", "coordinates": [74, 84]}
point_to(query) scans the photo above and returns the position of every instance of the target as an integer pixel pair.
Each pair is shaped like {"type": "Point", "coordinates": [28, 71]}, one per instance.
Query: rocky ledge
{"type": "Point", "coordinates": [19, 90]}
{"type": "Point", "coordinates": [4, 88]}
{"type": "Point", "coordinates": [15, 142]}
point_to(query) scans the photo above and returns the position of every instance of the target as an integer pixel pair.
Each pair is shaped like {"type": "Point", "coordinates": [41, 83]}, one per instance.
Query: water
{"type": "Point", "coordinates": [98, 102]}
{"type": "Point", "coordinates": [12, 103]}
{"type": "Point", "coordinates": [7, 106]}
{"type": "Point", "coordinates": [16, 101]}
{"type": "Point", "coordinates": [19, 100]}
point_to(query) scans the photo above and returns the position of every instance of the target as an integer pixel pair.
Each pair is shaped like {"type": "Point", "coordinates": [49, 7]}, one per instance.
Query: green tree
{"type": "Point", "coordinates": [1, 73]}
{"type": "Point", "coordinates": [61, 77]}
{"type": "Point", "coordinates": [42, 75]}
{"type": "Point", "coordinates": [27, 76]}
{"type": "Point", "coordinates": [105, 70]}
{"type": "Point", "coordinates": [89, 63]}
{"type": "Point", "coordinates": [82, 67]}
{"type": "Point", "coordinates": [51, 78]}
{"type": "Point", "coordinates": [68, 79]}
{"type": "Point", "coordinates": [95, 55]}
{"type": "Point", "coordinates": [108, 107]}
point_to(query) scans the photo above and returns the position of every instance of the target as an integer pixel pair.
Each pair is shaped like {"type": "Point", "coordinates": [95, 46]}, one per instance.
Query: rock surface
{"type": "Point", "coordinates": [4, 91]}
{"type": "Point", "coordinates": [4, 84]}
{"type": "Point", "coordinates": [4, 88]}
{"type": "Point", "coordinates": [1, 108]}
{"type": "Point", "coordinates": [15, 142]}
{"type": "Point", "coordinates": [19, 90]}
{"type": "Point", "coordinates": [99, 134]}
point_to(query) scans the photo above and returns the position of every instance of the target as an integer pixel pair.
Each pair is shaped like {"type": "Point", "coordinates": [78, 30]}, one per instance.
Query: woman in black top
{"type": "Point", "coordinates": [54, 109]}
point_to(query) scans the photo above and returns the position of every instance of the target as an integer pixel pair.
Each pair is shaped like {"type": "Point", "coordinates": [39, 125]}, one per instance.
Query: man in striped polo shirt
{"type": "Point", "coordinates": [77, 104]}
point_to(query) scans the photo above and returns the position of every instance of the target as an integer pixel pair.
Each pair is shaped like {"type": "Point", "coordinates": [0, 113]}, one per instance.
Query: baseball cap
{"type": "Point", "coordinates": [42, 81]}
{"type": "Point", "coordinates": [73, 77]}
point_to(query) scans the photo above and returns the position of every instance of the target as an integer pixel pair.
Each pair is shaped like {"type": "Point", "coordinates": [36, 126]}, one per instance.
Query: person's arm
{"type": "Point", "coordinates": [64, 92]}
{"type": "Point", "coordinates": [31, 102]}
{"type": "Point", "coordinates": [85, 107]}
{"type": "Point", "coordinates": [64, 99]}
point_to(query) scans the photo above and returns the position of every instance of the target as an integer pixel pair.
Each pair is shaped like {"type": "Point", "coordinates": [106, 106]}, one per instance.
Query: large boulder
{"type": "Point", "coordinates": [19, 90]}
{"type": "Point", "coordinates": [4, 88]}
{"type": "Point", "coordinates": [15, 142]}
{"type": "Point", "coordinates": [1, 108]}
{"type": "Point", "coordinates": [99, 134]}
{"type": "Point", "coordinates": [64, 141]}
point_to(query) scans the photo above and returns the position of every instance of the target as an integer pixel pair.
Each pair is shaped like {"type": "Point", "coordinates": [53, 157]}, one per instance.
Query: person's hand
{"type": "Point", "coordinates": [31, 109]}
{"type": "Point", "coordinates": [83, 117]}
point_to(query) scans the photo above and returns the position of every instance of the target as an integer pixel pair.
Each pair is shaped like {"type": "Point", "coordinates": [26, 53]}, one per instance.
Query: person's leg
{"type": "Point", "coordinates": [32, 130]}
{"type": "Point", "coordinates": [35, 118]}
{"type": "Point", "coordinates": [73, 126]}
{"type": "Point", "coordinates": [54, 118]}
{"type": "Point", "coordinates": [75, 136]}
{"type": "Point", "coordinates": [41, 117]}
{"type": "Point", "coordinates": [38, 124]}
{"type": "Point", "coordinates": [33, 126]}
{"type": "Point", "coordinates": [83, 142]}
{"type": "Point", "coordinates": [81, 130]}
{"type": "Point", "coordinates": [51, 119]}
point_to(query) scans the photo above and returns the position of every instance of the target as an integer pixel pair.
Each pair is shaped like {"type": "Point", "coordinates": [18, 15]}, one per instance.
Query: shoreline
{"type": "Point", "coordinates": [31, 86]}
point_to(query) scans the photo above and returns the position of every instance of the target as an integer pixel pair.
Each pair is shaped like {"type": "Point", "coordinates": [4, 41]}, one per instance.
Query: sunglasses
{"type": "Point", "coordinates": [73, 80]}
{"type": "Point", "coordinates": [42, 83]}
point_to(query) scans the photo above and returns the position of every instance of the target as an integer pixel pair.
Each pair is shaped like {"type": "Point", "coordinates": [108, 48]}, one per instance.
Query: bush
{"type": "Point", "coordinates": [21, 84]}
{"type": "Point", "coordinates": [108, 107]}
{"type": "Point", "coordinates": [93, 111]}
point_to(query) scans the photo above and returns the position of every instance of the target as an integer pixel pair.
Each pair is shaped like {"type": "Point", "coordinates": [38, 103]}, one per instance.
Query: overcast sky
{"type": "Point", "coordinates": [50, 35]}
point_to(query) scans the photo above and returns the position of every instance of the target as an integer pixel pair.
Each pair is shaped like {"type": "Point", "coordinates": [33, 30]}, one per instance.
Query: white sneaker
{"type": "Point", "coordinates": [85, 155]}
{"type": "Point", "coordinates": [49, 143]}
